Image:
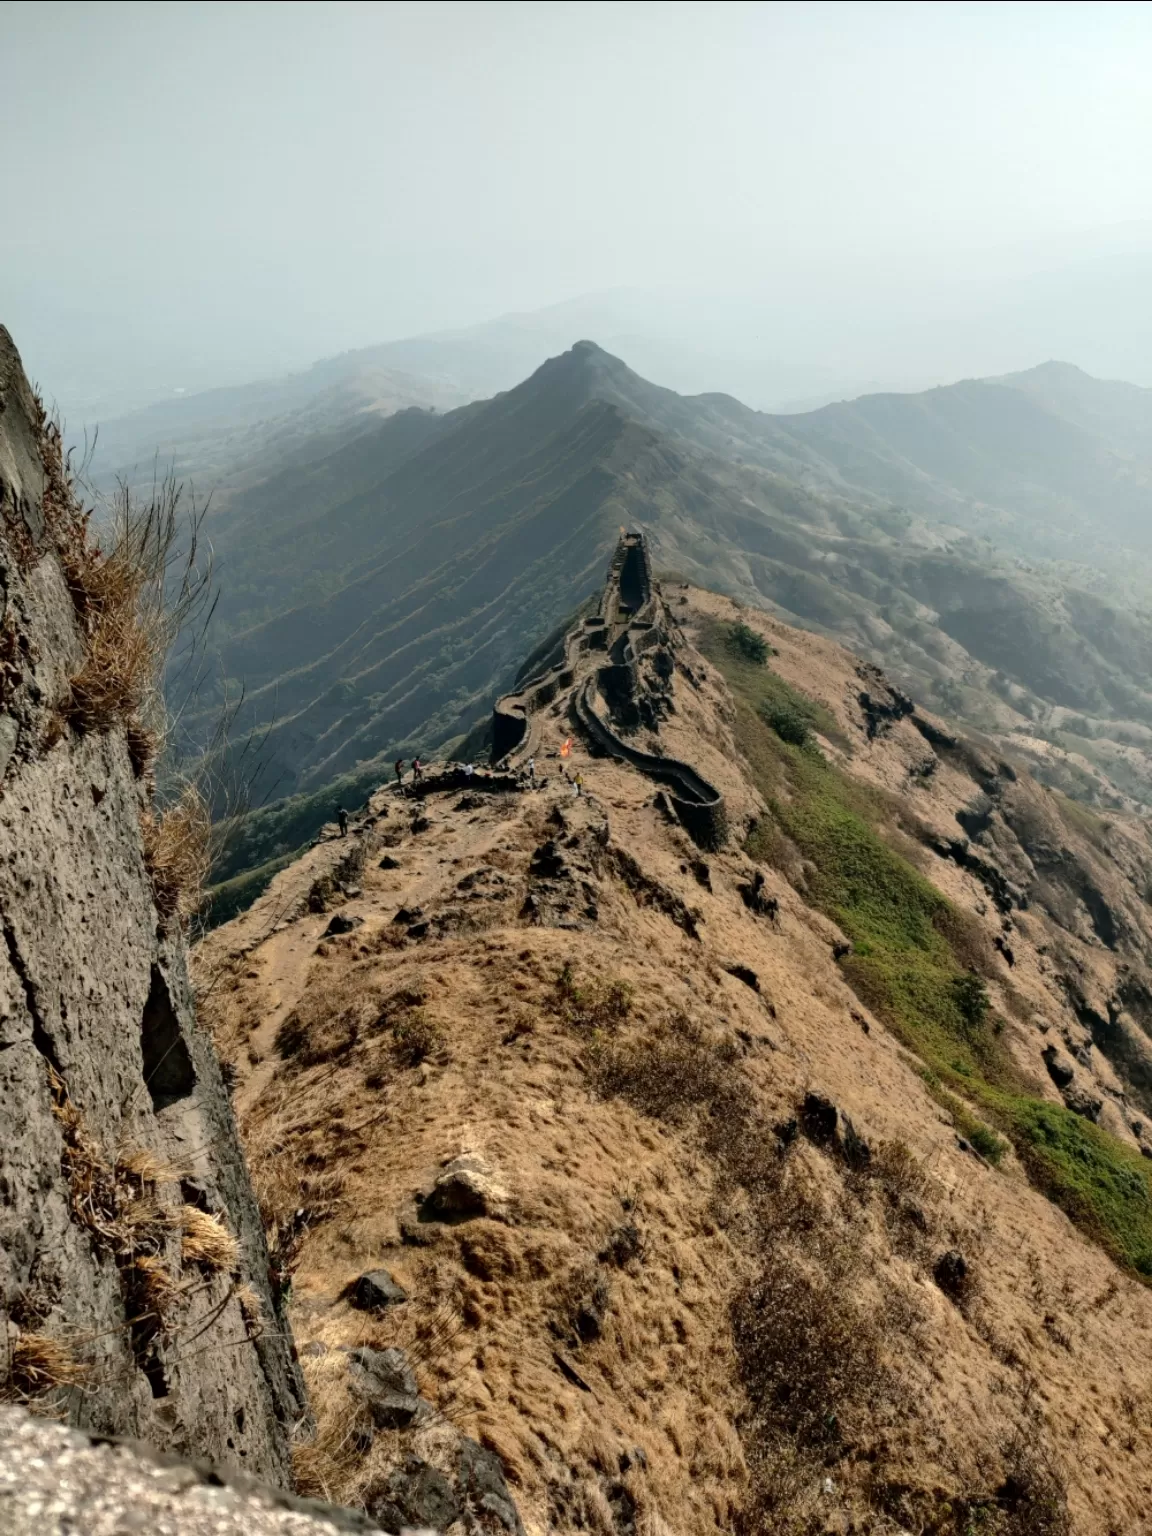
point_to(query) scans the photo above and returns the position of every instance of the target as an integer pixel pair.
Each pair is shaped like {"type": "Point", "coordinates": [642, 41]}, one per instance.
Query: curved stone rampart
{"type": "Point", "coordinates": [630, 621]}
{"type": "Point", "coordinates": [513, 733]}
{"type": "Point", "coordinates": [698, 804]}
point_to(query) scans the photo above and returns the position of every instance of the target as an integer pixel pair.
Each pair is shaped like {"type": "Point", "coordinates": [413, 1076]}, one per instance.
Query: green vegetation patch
{"type": "Point", "coordinates": [912, 962]}
{"type": "Point", "coordinates": [743, 642]}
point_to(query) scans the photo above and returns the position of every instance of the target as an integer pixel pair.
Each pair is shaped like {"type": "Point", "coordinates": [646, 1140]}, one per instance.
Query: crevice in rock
{"type": "Point", "coordinates": [168, 1071]}
{"type": "Point", "coordinates": [40, 1036]}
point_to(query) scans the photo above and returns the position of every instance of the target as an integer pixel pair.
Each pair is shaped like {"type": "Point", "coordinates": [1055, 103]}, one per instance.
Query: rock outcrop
{"type": "Point", "coordinates": [135, 1295]}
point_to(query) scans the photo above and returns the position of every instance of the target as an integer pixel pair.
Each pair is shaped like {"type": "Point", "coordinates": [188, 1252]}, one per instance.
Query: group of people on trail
{"type": "Point", "coordinates": [417, 771]}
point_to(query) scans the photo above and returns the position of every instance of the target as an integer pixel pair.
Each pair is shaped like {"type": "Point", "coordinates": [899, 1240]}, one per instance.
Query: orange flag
{"type": "Point", "coordinates": [566, 748]}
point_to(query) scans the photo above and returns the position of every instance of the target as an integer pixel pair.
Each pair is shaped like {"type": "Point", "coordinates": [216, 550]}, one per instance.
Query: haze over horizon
{"type": "Point", "coordinates": [846, 197]}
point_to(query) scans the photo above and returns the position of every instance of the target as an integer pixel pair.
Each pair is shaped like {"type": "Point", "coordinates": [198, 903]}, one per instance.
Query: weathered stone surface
{"type": "Point", "coordinates": [343, 923]}
{"type": "Point", "coordinates": [1081, 1102]}
{"type": "Point", "coordinates": [415, 1495]}
{"type": "Point", "coordinates": [56, 1481]}
{"type": "Point", "coordinates": [387, 1384]}
{"type": "Point", "coordinates": [445, 1481]}
{"type": "Point", "coordinates": [1060, 1069]}
{"type": "Point", "coordinates": [376, 1290]}
{"type": "Point", "coordinates": [481, 1480]}
{"type": "Point", "coordinates": [818, 1118]}
{"type": "Point", "coordinates": [467, 1187]}
{"type": "Point", "coordinates": [952, 1274]}
{"type": "Point", "coordinates": [97, 1022]}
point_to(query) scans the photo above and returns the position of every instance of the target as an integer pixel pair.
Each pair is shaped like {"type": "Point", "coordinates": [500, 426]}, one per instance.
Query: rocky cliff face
{"type": "Point", "coordinates": [134, 1279]}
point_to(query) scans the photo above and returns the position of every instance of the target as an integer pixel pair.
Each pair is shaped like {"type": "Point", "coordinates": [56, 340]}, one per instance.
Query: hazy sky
{"type": "Point", "coordinates": [202, 191]}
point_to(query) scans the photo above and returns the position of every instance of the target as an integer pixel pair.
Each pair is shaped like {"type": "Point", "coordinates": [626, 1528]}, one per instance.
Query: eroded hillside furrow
{"type": "Point", "coordinates": [792, 1184]}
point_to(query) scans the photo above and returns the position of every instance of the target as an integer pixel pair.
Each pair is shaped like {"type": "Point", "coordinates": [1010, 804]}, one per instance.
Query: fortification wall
{"type": "Point", "coordinates": [699, 806]}
{"type": "Point", "coordinates": [629, 623]}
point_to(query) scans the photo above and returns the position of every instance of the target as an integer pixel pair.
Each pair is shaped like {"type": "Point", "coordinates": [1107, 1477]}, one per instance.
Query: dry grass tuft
{"type": "Point", "coordinates": [415, 1037]}
{"type": "Point", "coordinates": [151, 1285]}
{"type": "Point", "coordinates": [145, 1167]}
{"type": "Point", "coordinates": [252, 1309]}
{"type": "Point", "coordinates": [132, 595]}
{"type": "Point", "coordinates": [330, 1466]}
{"type": "Point", "coordinates": [596, 1007]}
{"type": "Point", "coordinates": [207, 1242]}
{"type": "Point", "coordinates": [178, 854]}
{"type": "Point", "coordinates": [1033, 1498]}
{"type": "Point", "coordinates": [39, 1363]}
{"type": "Point", "coordinates": [94, 1195]}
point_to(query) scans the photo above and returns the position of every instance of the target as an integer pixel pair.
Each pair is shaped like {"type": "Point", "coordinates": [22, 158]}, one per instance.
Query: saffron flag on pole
{"type": "Point", "coordinates": [566, 749]}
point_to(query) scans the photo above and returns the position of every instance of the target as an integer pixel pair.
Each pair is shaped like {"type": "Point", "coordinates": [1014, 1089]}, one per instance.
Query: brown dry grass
{"type": "Point", "coordinates": [39, 1363]}
{"type": "Point", "coordinates": [207, 1242]}
{"type": "Point", "coordinates": [134, 590]}
{"type": "Point", "coordinates": [659, 1117]}
{"type": "Point", "coordinates": [178, 854]}
{"type": "Point", "coordinates": [329, 1466]}
{"type": "Point", "coordinates": [251, 1309]}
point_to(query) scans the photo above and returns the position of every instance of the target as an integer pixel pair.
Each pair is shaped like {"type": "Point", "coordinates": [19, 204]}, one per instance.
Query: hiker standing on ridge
{"type": "Point", "coordinates": [532, 771]}
{"type": "Point", "coordinates": [399, 766]}
{"type": "Point", "coordinates": [417, 770]}
{"type": "Point", "coordinates": [342, 818]}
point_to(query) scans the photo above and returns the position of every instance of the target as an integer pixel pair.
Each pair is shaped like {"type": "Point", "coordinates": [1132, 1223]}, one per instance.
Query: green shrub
{"type": "Point", "coordinates": [789, 722]}
{"type": "Point", "coordinates": [743, 641]}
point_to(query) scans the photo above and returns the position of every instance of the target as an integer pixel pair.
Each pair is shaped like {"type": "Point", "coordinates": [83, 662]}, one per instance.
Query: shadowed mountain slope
{"type": "Point", "coordinates": [376, 596]}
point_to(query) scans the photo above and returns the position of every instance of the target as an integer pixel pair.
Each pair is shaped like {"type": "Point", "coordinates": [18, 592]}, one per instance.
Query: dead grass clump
{"type": "Point", "coordinates": [251, 1309]}
{"type": "Point", "coordinates": [666, 1072]}
{"type": "Point", "coordinates": [787, 1483]}
{"type": "Point", "coordinates": [207, 1242]}
{"type": "Point", "coordinates": [415, 1037]}
{"type": "Point", "coordinates": [1033, 1499]}
{"type": "Point", "coordinates": [579, 1302]}
{"type": "Point", "coordinates": [152, 1290]}
{"type": "Point", "coordinates": [145, 1167]}
{"type": "Point", "coordinates": [330, 1466]}
{"type": "Point", "coordinates": [906, 1188]}
{"type": "Point", "coordinates": [132, 596]}
{"type": "Point", "coordinates": [314, 1033]}
{"type": "Point", "coordinates": [178, 854]}
{"type": "Point", "coordinates": [968, 940]}
{"type": "Point", "coordinates": [599, 1006]}
{"type": "Point", "coordinates": [39, 1363]}
{"type": "Point", "coordinates": [94, 1196]}
{"type": "Point", "coordinates": [810, 1347]}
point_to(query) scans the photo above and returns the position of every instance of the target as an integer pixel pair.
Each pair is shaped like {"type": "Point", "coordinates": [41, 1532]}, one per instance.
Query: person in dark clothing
{"type": "Point", "coordinates": [342, 818]}
{"type": "Point", "coordinates": [417, 770]}
{"type": "Point", "coordinates": [400, 772]}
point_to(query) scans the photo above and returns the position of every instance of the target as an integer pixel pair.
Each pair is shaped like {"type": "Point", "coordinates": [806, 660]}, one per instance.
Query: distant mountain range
{"type": "Point", "coordinates": [378, 590]}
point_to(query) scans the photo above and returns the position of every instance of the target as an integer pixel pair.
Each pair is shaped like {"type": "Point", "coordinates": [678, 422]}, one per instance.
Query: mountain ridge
{"type": "Point", "coordinates": [367, 597]}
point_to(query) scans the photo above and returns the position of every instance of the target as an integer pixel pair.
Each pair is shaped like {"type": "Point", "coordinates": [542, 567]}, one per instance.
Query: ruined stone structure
{"type": "Point", "coordinates": [135, 1295]}
{"type": "Point", "coordinates": [616, 667]}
